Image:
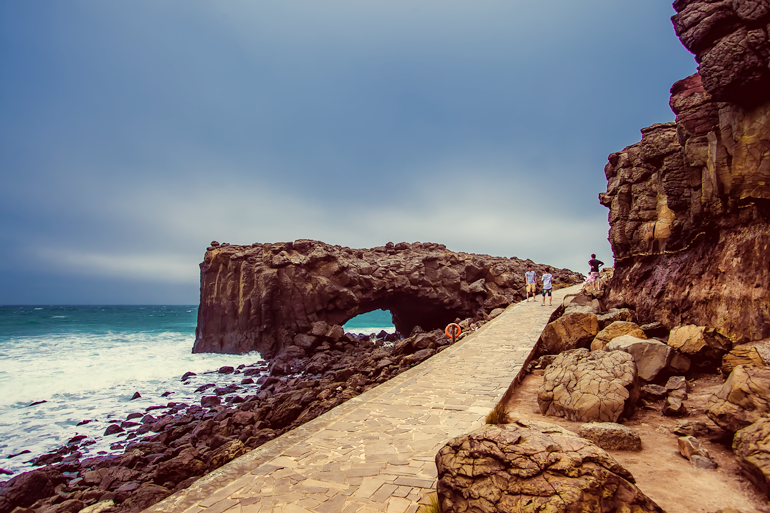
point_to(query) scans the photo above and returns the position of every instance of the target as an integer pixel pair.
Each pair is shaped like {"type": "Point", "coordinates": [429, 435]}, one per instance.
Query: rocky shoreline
{"type": "Point", "coordinates": [166, 452]}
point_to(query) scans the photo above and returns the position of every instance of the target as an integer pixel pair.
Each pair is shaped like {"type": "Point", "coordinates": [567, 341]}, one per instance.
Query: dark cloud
{"type": "Point", "coordinates": [133, 134]}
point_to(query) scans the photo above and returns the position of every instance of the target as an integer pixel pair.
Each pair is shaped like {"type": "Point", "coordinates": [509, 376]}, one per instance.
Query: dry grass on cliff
{"type": "Point", "coordinates": [433, 507]}
{"type": "Point", "coordinates": [497, 415]}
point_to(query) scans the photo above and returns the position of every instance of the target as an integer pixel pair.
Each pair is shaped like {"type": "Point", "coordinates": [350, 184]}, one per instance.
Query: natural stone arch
{"type": "Point", "coordinates": [260, 297]}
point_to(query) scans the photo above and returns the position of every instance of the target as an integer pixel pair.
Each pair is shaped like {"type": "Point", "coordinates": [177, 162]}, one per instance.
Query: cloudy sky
{"type": "Point", "coordinates": [134, 133]}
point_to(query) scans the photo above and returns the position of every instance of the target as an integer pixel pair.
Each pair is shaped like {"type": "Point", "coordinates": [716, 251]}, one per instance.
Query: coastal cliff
{"type": "Point", "coordinates": [690, 203]}
{"type": "Point", "coordinates": [260, 297]}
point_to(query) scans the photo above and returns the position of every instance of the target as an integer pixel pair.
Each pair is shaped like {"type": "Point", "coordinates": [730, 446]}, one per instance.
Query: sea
{"type": "Point", "coordinates": [70, 370]}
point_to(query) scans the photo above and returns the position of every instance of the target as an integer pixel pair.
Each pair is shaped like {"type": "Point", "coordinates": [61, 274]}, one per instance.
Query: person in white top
{"type": "Point", "coordinates": [530, 279]}
{"type": "Point", "coordinates": [547, 286]}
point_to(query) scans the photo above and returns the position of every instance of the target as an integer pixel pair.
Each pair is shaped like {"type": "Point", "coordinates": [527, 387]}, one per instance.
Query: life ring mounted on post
{"type": "Point", "coordinates": [453, 331]}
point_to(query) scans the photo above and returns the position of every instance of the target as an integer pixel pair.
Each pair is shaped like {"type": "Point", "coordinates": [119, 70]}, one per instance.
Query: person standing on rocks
{"type": "Point", "coordinates": [593, 274]}
{"type": "Point", "coordinates": [530, 279]}
{"type": "Point", "coordinates": [547, 286]}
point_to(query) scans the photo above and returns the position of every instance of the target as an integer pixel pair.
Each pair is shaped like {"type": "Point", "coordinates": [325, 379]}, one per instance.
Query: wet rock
{"type": "Point", "coordinates": [612, 436]}
{"type": "Point", "coordinates": [208, 401]}
{"type": "Point", "coordinates": [587, 386]}
{"type": "Point", "coordinates": [751, 447]}
{"type": "Point", "coordinates": [742, 400]}
{"type": "Point", "coordinates": [533, 466]}
{"type": "Point", "coordinates": [113, 429]}
{"type": "Point", "coordinates": [614, 330]}
{"type": "Point", "coordinates": [226, 369]}
{"type": "Point", "coordinates": [29, 487]}
{"type": "Point", "coordinates": [188, 375]}
{"type": "Point", "coordinates": [570, 331]}
{"type": "Point", "coordinates": [650, 356]}
{"type": "Point", "coordinates": [136, 395]}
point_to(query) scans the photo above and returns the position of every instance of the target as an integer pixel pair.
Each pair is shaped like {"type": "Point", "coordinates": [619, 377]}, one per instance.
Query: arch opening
{"type": "Point", "coordinates": [372, 322]}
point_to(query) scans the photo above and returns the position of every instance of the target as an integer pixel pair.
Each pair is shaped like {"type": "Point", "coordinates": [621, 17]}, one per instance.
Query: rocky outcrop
{"type": "Point", "coordinates": [533, 466]}
{"type": "Point", "coordinates": [690, 203]}
{"type": "Point", "coordinates": [742, 400]}
{"type": "Point", "coordinates": [751, 446]}
{"type": "Point", "coordinates": [589, 386]}
{"type": "Point", "coordinates": [729, 40]}
{"type": "Point", "coordinates": [614, 330]}
{"type": "Point", "coordinates": [260, 297]}
{"type": "Point", "coordinates": [570, 331]}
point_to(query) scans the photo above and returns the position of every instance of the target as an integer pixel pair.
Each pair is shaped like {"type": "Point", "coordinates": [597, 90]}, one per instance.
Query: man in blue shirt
{"type": "Point", "coordinates": [547, 286]}
{"type": "Point", "coordinates": [530, 279]}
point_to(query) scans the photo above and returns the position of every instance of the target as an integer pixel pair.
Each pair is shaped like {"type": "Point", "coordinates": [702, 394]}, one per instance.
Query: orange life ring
{"type": "Point", "coordinates": [456, 332]}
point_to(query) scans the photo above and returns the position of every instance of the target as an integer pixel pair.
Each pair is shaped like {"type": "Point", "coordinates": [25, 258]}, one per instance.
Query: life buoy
{"type": "Point", "coordinates": [453, 333]}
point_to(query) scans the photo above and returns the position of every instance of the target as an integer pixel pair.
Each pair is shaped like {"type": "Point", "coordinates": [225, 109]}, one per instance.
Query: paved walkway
{"type": "Point", "coordinates": [375, 453]}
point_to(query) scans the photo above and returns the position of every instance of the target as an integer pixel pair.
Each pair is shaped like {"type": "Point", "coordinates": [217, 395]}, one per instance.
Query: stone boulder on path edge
{"type": "Point", "coordinates": [570, 331]}
{"type": "Point", "coordinates": [742, 400]}
{"type": "Point", "coordinates": [590, 386]}
{"type": "Point", "coordinates": [533, 467]}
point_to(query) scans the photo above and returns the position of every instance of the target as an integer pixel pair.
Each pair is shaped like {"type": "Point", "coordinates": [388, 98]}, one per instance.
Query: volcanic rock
{"type": "Point", "coordinates": [615, 314]}
{"type": "Point", "coordinates": [612, 436]}
{"type": "Point", "coordinates": [25, 489]}
{"type": "Point", "coordinates": [533, 466]}
{"type": "Point", "coordinates": [751, 446]}
{"type": "Point", "coordinates": [589, 386]}
{"type": "Point", "coordinates": [753, 353]}
{"type": "Point", "coordinates": [689, 203]}
{"type": "Point", "coordinates": [282, 289]}
{"type": "Point", "coordinates": [650, 356]}
{"type": "Point", "coordinates": [742, 400]}
{"type": "Point", "coordinates": [570, 331]}
{"type": "Point", "coordinates": [614, 330]}
{"type": "Point", "coordinates": [700, 343]}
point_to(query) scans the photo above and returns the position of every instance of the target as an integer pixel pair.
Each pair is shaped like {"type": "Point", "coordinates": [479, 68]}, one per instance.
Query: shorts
{"type": "Point", "coordinates": [531, 287]}
{"type": "Point", "coordinates": [593, 277]}
{"type": "Point", "coordinates": [547, 291]}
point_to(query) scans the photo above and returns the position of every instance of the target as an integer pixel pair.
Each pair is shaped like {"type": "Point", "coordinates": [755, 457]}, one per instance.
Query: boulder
{"type": "Point", "coordinates": [23, 490]}
{"type": "Point", "coordinates": [742, 400]}
{"type": "Point", "coordinates": [611, 436]}
{"type": "Point", "coordinates": [589, 386]}
{"type": "Point", "coordinates": [703, 345]}
{"type": "Point", "coordinates": [533, 466]}
{"type": "Point", "coordinates": [614, 330]}
{"type": "Point", "coordinates": [570, 331]}
{"type": "Point", "coordinates": [674, 407]}
{"type": "Point", "coordinates": [650, 356]}
{"type": "Point", "coordinates": [582, 303]}
{"type": "Point", "coordinates": [689, 446]}
{"type": "Point", "coordinates": [751, 447]}
{"type": "Point", "coordinates": [186, 464]}
{"type": "Point", "coordinates": [144, 497]}
{"type": "Point", "coordinates": [616, 314]}
{"type": "Point", "coordinates": [756, 353]}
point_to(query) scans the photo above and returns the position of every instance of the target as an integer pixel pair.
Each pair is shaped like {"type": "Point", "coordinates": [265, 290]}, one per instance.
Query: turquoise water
{"type": "Point", "coordinates": [371, 322]}
{"type": "Point", "coordinates": [86, 362]}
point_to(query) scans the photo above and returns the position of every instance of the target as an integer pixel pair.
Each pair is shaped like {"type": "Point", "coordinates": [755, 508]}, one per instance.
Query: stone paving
{"type": "Point", "coordinates": [375, 453]}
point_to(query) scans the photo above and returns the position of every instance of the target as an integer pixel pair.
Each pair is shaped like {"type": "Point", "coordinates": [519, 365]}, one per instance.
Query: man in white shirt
{"type": "Point", "coordinates": [547, 286]}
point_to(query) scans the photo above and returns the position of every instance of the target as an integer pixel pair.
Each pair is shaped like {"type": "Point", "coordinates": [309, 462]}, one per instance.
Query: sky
{"type": "Point", "coordinates": [134, 133]}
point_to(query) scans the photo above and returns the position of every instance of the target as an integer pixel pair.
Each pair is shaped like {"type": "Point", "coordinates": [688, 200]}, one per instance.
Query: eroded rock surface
{"type": "Point", "coordinates": [751, 446]}
{"type": "Point", "coordinates": [742, 400]}
{"type": "Point", "coordinates": [589, 386]}
{"type": "Point", "coordinates": [531, 467]}
{"type": "Point", "coordinates": [260, 297]}
{"type": "Point", "coordinates": [614, 330]}
{"type": "Point", "coordinates": [650, 356]}
{"type": "Point", "coordinates": [570, 331]}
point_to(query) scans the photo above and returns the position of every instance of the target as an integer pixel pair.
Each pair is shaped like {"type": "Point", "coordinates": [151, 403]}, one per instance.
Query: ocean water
{"type": "Point", "coordinates": [84, 363]}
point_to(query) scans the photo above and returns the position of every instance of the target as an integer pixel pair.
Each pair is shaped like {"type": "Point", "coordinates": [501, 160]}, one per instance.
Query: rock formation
{"type": "Point", "coordinates": [533, 466]}
{"type": "Point", "coordinates": [751, 446]}
{"type": "Point", "coordinates": [260, 297]}
{"type": "Point", "coordinates": [742, 400]}
{"type": "Point", "coordinates": [690, 203]}
{"type": "Point", "coordinates": [589, 386]}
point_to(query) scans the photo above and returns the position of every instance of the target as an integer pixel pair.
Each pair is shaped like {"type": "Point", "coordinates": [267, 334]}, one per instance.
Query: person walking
{"type": "Point", "coordinates": [547, 286]}
{"type": "Point", "coordinates": [593, 274]}
{"type": "Point", "coordinates": [530, 279]}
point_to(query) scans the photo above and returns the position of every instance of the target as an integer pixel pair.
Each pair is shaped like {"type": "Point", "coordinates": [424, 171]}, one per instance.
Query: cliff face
{"type": "Point", "coordinates": [260, 297]}
{"type": "Point", "coordinates": [689, 204]}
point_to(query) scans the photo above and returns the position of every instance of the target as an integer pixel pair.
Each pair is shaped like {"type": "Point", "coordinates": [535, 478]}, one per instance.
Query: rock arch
{"type": "Point", "coordinates": [260, 297]}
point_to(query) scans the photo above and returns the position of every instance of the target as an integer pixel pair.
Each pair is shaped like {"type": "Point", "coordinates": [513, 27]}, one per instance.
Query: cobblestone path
{"type": "Point", "coordinates": [375, 453]}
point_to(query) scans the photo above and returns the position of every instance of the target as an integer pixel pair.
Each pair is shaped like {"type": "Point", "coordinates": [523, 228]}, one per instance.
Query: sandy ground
{"type": "Point", "coordinates": [660, 471]}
